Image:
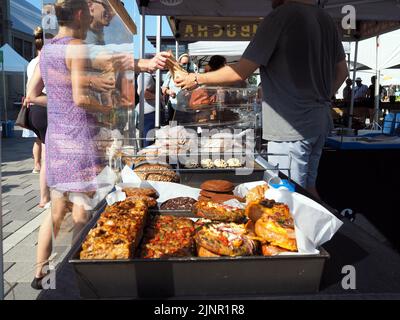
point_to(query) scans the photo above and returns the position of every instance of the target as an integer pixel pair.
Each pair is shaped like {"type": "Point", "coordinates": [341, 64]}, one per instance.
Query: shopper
{"type": "Point", "coordinates": [216, 62]}
{"type": "Point", "coordinates": [360, 90]}
{"type": "Point", "coordinates": [302, 64]}
{"type": "Point", "coordinates": [347, 91]}
{"type": "Point", "coordinates": [149, 104]}
{"type": "Point", "coordinates": [37, 119]}
{"type": "Point", "coordinates": [72, 159]}
{"type": "Point", "coordinates": [169, 88]}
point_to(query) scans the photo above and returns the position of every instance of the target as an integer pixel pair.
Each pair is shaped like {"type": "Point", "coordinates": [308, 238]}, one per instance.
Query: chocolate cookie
{"type": "Point", "coordinates": [209, 194]}
{"type": "Point", "coordinates": [179, 203]}
{"type": "Point", "coordinates": [217, 186]}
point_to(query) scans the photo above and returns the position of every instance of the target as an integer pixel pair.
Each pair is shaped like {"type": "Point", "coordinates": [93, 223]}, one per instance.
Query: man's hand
{"type": "Point", "coordinates": [186, 81]}
{"type": "Point", "coordinates": [159, 61]}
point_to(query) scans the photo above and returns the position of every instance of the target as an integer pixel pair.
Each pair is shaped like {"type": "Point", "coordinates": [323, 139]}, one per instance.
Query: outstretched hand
{"type": "Point", "coordinates": [186, 81]}
{"type": "Point", "coordinates": [159, 61]}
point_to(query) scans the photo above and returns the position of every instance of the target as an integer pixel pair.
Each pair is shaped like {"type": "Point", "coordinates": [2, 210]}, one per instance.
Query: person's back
{"type": "Point", "coordinates": [298, 59]}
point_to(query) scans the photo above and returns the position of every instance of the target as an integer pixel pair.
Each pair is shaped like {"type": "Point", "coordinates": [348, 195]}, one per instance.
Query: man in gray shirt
{"type": "Point", "coordinates": [302, 64]}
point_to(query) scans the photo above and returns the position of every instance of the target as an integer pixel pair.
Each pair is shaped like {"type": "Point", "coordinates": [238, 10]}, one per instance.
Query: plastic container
{"type": "Point", "coordinates": [7, 129]}
{"type": "Point", "coordinates": [388, 124]}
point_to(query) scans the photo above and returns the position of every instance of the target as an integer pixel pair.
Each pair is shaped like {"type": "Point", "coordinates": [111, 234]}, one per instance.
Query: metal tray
{"type": "Point", "coordinates": [229, 276]}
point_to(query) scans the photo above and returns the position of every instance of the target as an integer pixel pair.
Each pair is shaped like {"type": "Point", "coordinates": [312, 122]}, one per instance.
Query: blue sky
{"type": "Point", "coordinates": [151, 24]}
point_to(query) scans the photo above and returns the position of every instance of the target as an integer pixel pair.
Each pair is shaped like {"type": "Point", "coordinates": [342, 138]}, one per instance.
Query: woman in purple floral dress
{"type": "Point", "coordinates": [73, 162]}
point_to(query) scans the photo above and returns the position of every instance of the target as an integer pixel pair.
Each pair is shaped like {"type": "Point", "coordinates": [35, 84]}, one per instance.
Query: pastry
{"type": "Point", "coordinates": [270, 250]}
{"type": "Point", "coordinates": [150, 192]}
{"type": "Point", "coordinates": [224, 239]}
{"type": "Point", "coordinates": [168, 236]}
{"type": "Point", "coordinates": [234, 163]}
{"type": "Point", "coordinates": [273, 223]}
{"type": "Point", "coordinates": [217, 186]}
{"type": "Point", "coordinates": [191, 164]}
{"type": "Point", "coordinates": [118, 231]}
{"type": "Point", "coordinates": [207, 163]}
{"type": "Point", "coordinates": [218, 211]}
{"type": "Point", "coordinates": [156, 172]}
{"type": "Point", "coordinates": [257, 193]}
{"type": "Point", "coordinates": [220, 163]}
{"type": "Point", "coordinates": [179, 203]}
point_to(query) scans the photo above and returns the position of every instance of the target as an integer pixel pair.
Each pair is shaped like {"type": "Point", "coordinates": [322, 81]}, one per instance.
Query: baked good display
{"type": "Point", "coordinates": [168, 236]}
{"type": "Point", "coordinates": [179, 203]}
{"type": "Point", "coordinates": [156, 172]}
{"type": "Point", "coordinates": [273, 223]}
{"type": "Point", "coordinates": [218, 211]}
{"type": "Point", "coordinates": [222, 186]}
{"type": "Point", "coordinates": [224, 239]}
{"type": "Point", "coordinates": [118, 232]}
{"type": "Point", "coordinates": [257, 193]}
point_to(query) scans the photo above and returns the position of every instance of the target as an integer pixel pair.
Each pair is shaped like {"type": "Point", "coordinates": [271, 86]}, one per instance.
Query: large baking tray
{"type": "Point", "coordinates": [179, 277]}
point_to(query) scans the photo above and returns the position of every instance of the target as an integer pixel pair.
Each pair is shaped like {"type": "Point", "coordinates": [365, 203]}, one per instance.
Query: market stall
{"type": "Point", "coordinates": [196, 215]}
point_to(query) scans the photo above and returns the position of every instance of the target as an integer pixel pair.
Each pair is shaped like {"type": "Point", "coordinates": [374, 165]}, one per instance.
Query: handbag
{"type": "Point", "coordinates": [22, 118]}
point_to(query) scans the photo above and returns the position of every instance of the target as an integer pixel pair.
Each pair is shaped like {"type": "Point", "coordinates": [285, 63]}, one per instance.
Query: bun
{"type": "Point", "coordinates": [38, 34]}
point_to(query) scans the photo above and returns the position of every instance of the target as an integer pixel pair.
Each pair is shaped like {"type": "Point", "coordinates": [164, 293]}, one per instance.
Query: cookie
{"type": "Point", "coordinates": [209, 194]}
{"type": "Point", "coordinates": [217, 186]}
{"type": "Point", "coordinates": [179, 203]}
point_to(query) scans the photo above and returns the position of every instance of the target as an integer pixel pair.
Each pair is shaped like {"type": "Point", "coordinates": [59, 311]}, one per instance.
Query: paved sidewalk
{"type": "Point", "coordinates": [21, 216]}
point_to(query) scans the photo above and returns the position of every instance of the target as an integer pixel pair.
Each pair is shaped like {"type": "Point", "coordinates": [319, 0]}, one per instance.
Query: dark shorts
{"type": "Point", "coordinates": [37, 120]}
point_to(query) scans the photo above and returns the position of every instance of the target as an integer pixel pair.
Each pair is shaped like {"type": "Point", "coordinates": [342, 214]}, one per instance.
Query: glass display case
{"type": "Point", "coordinates": [219, 106]}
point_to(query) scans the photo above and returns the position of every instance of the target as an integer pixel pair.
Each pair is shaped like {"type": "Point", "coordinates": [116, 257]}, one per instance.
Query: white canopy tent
{"type": "Point", "coordinates": [389, 51]}
{"type": "Point", "coordinates": [231, 50]}
{"type": "Point", "coordinates": [12, 62]}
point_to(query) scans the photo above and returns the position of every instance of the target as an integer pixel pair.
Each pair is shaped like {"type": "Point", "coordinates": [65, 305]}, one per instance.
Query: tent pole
{"type": "Point", "coordinates": [352, 87]}
{"type": "Point", "coordinates": [158, 75]}
{"type": "Point", "coordinates": [4, 91]}
{"type": "Point", "coordinates": [142, 50]}
{"type": "Point", "coordinates": [1, 253]}
{"type": "Point", "coordinates": [377, 91]}
{"type": "Point", "coordinates": [176, 49]}
{"type": "Point", "coordinates": [1, 210]}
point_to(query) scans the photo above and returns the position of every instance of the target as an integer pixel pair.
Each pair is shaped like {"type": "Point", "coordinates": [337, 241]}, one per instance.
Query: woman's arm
{"type": "Point", "coordinates": [76, 61]}
{"type": "Point", "coordinates": [35, 87]}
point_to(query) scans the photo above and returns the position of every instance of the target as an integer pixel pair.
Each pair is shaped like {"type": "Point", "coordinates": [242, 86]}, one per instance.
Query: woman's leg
{"type": "Point", "coordinates": [37, 151]}
{"type": "Point", "coordinates": [44, 189]}
{"type": "Point", "coordinates": [44, 246]}
{"type": "Point", "coordinates": [58, 210]}
{"type": "Point", "coordinates": [80, 217]}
